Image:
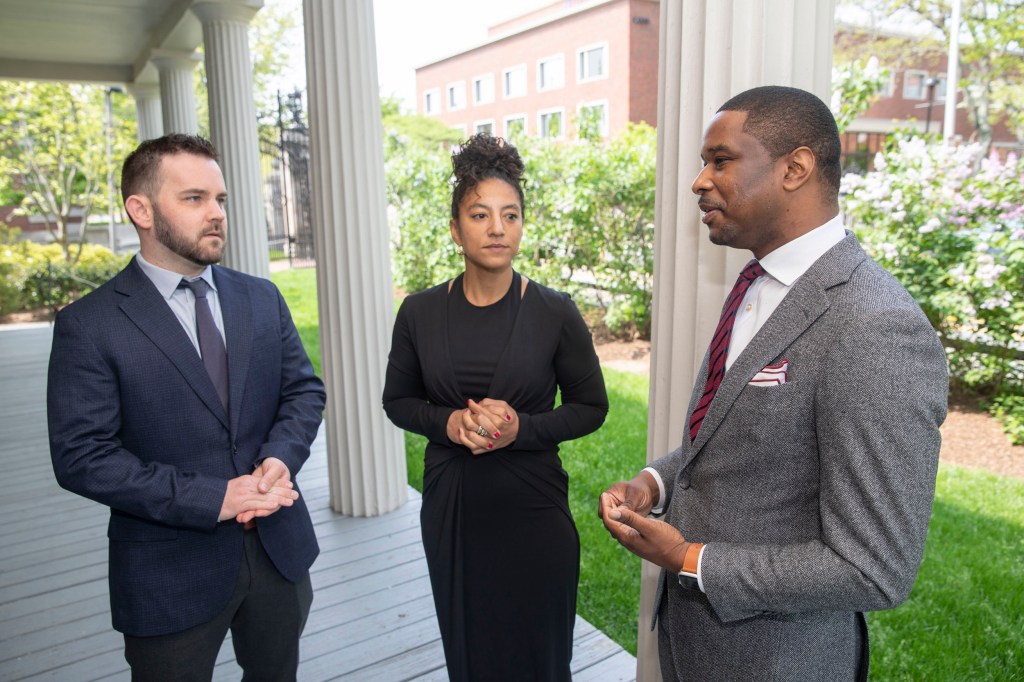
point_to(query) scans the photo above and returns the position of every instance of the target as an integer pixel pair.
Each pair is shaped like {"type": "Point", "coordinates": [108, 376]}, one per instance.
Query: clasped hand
{"type": "Point", "coordinates": [624, 508]}
{"type": "Point", "coordinates": [497, 419]}
{"type": "Point", "coordinates": [261, 493]}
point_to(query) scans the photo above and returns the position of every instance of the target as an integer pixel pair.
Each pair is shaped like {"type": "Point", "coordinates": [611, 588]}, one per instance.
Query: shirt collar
{"type": "Point", "coordinates": [794, 258]}
{"type": "Point", "coordinates": [165, 281]}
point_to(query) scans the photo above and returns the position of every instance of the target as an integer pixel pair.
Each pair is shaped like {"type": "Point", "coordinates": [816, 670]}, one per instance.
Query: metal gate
{"type": "Point", "coordinates": [284, 165]}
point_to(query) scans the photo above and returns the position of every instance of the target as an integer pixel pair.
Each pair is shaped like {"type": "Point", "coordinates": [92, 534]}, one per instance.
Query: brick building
{"type": "Point", "coordinates": [536, 73]}
{"type": "Point", "coordinates": [913, 97]}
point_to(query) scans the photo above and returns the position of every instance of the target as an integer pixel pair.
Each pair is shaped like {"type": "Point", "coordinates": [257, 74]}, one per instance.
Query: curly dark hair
{"type": "Point", "coordinates": [138, 175]}
{"type": "Point", "coordinates": [480, 158]}
{"type": "Point", "coordinates": [784, 118]}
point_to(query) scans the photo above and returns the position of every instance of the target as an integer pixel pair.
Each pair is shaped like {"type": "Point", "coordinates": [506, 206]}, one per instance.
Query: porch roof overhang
{"type": "Point", "coordinates": [100, 41]}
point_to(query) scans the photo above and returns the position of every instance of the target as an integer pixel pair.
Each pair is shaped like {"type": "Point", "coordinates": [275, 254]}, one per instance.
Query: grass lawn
{"type": "Point", "coordinates": [964, 619]}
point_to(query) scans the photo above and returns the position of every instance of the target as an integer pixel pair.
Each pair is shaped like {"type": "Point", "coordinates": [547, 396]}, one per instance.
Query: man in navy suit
{"type": "Point", "coordinates": [207, 529]}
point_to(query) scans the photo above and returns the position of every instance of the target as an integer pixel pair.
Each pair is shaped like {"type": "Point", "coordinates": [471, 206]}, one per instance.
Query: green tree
{"type": "Point", "coordinates": [588, 221]}
{"type": "Point", "coordinates": [855, 87]}
{"type": "Point", "coordinates": [53, 153]}
{"type": "Point", "coordinates": [991, 39]}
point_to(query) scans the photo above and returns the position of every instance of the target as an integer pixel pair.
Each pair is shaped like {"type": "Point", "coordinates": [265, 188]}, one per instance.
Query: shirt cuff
{"type": "Point", "coordinates": [700, 561]}
{"type": "Point", "coordinates": [659, 508]}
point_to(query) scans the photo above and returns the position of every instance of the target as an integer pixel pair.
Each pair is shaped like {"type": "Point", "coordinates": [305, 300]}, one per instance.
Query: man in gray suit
{"type": "Point", "coordinates": [801, 494]}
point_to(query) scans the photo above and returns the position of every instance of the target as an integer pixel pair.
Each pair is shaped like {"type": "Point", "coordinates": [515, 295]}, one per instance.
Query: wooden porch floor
{"type": "Point", "coordinates": [372, 617]}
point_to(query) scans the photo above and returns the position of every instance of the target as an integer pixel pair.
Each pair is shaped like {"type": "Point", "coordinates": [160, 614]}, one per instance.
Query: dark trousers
{"type": "Point", "coordinates": [266, 615]}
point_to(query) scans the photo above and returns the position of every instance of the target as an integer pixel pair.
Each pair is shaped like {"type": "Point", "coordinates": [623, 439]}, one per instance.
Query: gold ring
{"type": "Point", "coordinates": [481, 431]}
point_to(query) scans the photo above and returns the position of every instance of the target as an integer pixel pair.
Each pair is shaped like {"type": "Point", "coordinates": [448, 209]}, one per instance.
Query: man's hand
{"type": "Point", "coordinates": [271, 471]}
{"type": "Point", "coordinates": [262, 493]}
{"type": "Point", "coordinates": [650, 539]}
{"type": "Point", "coordinates": [638, 495]}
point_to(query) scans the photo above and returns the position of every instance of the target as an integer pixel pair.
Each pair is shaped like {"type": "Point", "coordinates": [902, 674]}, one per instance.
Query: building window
{"type": "Point", "coordinates": [551, 72]}
{"type": "Point", "coordinates": [550, 123]}
{"type": "Point", "coordinates": [940, 88]}
{"type": "Point", "coordinates": [514, 81]}
{"type": "Point", "coordinates": [889, 86]}
{"type": "Point", "coordinates": [432, 101]}
{"type": "Point", "coordinates": [914, 84]}
{"type": "Point", "coordinates": [592, 63]}
{"type": "Point", "coordinates": [483, 89]}
{"type": "Point", "coordinates": [457, 96]}
{"type": "Point", "coordinates": [515, 126]}
{"type": "Point", "coordinates": [595, 114]}
{"type": "Point", "coordinates": [484, 127]}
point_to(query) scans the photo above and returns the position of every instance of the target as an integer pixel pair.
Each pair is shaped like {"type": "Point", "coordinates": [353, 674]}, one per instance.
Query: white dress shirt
{"type": "Point", "coordinates": [783, 267]}
{"type": "Point", "coordinates": [182, 301]}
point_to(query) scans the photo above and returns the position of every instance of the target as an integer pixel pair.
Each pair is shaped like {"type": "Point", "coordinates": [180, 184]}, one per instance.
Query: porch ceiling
{"type": "Point", "coordinates": [104, 41]}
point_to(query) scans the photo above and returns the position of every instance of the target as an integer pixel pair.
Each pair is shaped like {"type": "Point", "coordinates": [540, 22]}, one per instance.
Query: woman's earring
{"type": "Point", "coordinates": [459, 250]}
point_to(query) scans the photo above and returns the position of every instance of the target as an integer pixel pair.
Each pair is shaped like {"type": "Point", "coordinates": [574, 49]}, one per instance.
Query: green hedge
{"type": "Point", "coordinates": [36, 276]}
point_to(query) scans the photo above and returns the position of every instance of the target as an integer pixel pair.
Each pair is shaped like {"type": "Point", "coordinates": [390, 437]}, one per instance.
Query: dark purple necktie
{"type": "Point", "coordinates": [720, 343]}
{"type": "Point", "coordinates": [211, 344]}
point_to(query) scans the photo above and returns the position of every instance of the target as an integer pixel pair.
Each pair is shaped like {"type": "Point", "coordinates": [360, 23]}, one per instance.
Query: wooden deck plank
{"type": "Point", "coordinates": [372, 615]}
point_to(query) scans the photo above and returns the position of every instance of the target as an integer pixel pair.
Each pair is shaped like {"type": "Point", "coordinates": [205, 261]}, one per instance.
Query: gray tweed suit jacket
{"type": "Point", "coordinates": [813, 496]}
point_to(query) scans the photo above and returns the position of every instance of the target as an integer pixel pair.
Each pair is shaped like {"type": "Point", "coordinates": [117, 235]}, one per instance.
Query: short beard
{"type": "Point", "coordinates": [179, 244]}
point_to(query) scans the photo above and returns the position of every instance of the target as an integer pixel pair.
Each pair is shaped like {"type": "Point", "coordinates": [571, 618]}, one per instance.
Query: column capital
{"type": "Point", "coordinates": [144, 90]}
{"type": "Point", "coordinates": [181, 60]}
{"type": "Point", "coordinates": [241, 11]}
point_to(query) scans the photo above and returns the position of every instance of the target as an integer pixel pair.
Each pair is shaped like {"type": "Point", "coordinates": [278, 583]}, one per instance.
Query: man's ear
{"type": "Point", "coordinates": [800, 165]}
{"type": "Point", "coordinates": [140, 210]}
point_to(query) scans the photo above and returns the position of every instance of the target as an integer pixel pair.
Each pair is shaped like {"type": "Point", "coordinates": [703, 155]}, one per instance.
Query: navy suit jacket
{"type": "Point", "coordinates": [135, 423]}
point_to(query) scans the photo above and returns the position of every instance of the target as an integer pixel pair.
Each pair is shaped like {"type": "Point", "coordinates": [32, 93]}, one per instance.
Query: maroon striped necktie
{"type": "Point", "coordinates": [720, 343]}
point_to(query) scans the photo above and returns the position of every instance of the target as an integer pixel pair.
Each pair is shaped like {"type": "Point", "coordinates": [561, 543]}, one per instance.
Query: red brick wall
{"type": "Point", "coordinates": [607, 23]}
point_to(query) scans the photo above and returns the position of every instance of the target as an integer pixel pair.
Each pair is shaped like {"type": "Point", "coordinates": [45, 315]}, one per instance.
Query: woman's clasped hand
{"type": "Point", "coordinates": [484, 426]}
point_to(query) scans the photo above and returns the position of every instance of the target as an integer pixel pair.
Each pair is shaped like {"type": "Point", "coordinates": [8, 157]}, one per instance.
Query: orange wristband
{"type": "Point", "coordinates": [690, 558]}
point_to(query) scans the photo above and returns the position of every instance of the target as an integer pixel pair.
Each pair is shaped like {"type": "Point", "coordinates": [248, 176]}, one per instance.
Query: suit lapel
{"type": "Point", "coordinates": [147, 309]}
{"type": "Point", "coordinates": [805, 303]}
{"type": "Point", "coordinates": [236, 310]}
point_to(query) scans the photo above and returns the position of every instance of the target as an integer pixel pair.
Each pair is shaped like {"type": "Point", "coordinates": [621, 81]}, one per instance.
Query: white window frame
{"type": "Point", "coordinates": [485, 122]}
{"type": "Point", "coordinates": [436, 93]}
{"type": "Point", "coordinates": [515, 117]}
{"type": "Point", "coordinates": [504, 79]}
{"type": "Point", "coordinates": [457, 86]}
{"type": "Point", "coordinates": [906, 80]}
{"type": "Point", "coordinates": [541, 113]}
{"type": "Point", "coordinates": [540, 79]}
{"type": "Point", "coordinates": [605, 123]}
{"type": "Point", "coordinates": [940, 88]}
{"type": "Point", "coordinates": [586, 78]}
{"type": "Point", "coordinates": [479, 79]}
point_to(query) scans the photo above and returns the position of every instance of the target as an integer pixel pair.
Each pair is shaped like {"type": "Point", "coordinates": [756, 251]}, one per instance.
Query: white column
{"type": "Point", "coordinates": [177, 91]}
{"type": "Point", "coordinates": [366, 453]}
{"type": "Point", "coordinates": [148, 111]}
{"type": "Point", "coordinates": [233, 129]}
{"type": "Point", "coordinates": [710, 51]}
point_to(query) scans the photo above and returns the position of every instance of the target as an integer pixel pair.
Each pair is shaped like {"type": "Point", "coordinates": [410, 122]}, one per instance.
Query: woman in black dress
{"type": "Point", "coordinates": [474, 366]}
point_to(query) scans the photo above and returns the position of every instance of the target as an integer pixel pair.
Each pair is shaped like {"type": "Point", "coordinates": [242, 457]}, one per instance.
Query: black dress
{"type": "Point", "coordinates": [501, 545]}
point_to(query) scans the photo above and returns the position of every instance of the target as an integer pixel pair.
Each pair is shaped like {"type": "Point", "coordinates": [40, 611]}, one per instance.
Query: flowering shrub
{"type": "Point", "coordinates": [38, 276]}
{"type": "Point", "coordinates": [588, 219]}
{"type": "Point", "coordinates": [949, 224]}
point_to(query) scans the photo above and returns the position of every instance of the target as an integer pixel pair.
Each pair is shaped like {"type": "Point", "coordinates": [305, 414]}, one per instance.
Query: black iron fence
{"type": "Point", "coordinates": [284, 152]}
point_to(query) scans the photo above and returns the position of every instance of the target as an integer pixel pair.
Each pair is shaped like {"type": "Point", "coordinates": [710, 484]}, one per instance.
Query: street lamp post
{"type": "Point", "coordinates": [109, 125]}
{"type": "Point", "coordinates": [930, 83]}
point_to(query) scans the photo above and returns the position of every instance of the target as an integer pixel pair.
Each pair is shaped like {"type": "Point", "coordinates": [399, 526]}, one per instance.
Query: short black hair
{"type": "Point", "coordinates": [139, 173]}
{"type": "Point", "coordinates": [480, 158]}
{"type": "Point", "coordinates": [783, 118]}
